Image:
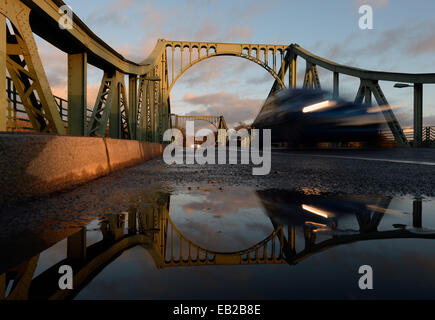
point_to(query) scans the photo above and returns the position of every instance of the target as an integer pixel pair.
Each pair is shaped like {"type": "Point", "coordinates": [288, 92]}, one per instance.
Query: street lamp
{"type": "Point", "coordinates": [403, 85]}
{"type": "Point", "coordinates": [418, 110]}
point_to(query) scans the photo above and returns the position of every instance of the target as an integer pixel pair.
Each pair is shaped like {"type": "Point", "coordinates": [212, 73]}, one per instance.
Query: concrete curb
{"type": "Point", "coordinates": [34, 164]}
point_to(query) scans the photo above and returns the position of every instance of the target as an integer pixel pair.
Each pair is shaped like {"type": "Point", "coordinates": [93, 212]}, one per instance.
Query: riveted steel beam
{"type": "Point", "coordinates": [388, 113]}
{"type": "Point", "coordinates": [100, 114]}
{"type": "Point", "coordinates": [336, 85]}
{"type": "Point", "coordinates": [77, 93]}
{"type": "Point", "coordinates": [418, 114]}
{"type": "Point", "coordinates": [3, 104]}
{"type": "Point", "coordinates": [27, 73]}
{"type": "Point", "coordinates": [111, 107]}
{"type": "Point", "coordinates": [133, 103]}
{"type": "Point", "coordinates": [141, 110]}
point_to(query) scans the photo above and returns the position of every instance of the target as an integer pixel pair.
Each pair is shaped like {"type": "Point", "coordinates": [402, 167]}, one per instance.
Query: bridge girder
{"type": "Point", "coordinates": [246, 51]}
{"type": "Point", "coordinates": [26, 70]}
{"type": "Point", "coordinates": [147, 117]}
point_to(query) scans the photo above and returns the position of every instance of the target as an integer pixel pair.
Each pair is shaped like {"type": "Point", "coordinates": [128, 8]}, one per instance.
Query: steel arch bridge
{"type": "Point", "coordinates": [218, 122]}
{"type": "Point", "coordinates": [145, 114]}
{"type": "Point", "coordinates": [257, 53]}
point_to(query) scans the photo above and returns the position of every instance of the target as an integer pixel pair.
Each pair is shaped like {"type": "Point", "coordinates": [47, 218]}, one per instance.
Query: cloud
{"type": "Point", "coordinates": [114, 13]}
{"type": "Point", "coordinates": [223, 203]}
{"type": "Point", "coordinates": [406, 41]}
{"type": "Point", "coordinates": [209, 70]}
{"type": "Point", "coordinates": [374, 3]}
{"type": "Point", "coordinates": [54, 62]}
{"type": "Point", "coordinates": [230, 105]}
{"type": "Point", "coordinates": [239, 33]}
{"type": "Point", "coordinates": [406, 119]}
{"type": "Point", "coordinates": [266, 78]}
{"type": "Point", "coordinates": [215, 68]}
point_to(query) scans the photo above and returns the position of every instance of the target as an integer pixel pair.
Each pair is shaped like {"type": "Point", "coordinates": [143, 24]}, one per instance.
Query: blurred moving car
{"type": "Point", "coordinates": [342, 213]}
{"type": "Point", "coordinates": [195, 146]}
{"type": "Point", "coordinates": [307, 117]}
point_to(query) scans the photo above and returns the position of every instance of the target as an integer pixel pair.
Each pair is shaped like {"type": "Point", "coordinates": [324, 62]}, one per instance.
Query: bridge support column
{"type": "Point", "coordinates": [152, 134]}
{"type": "Point", "coordinates": [3, 73]}
{"type": "Point", "coordinates": [311, 79]}
{"type": "Point", "coordinates": [292, 238]}
{"type": "Point", "coordinates": [293, 71]}
{"type": "Point", "coordinates": [368, 96]}
{"type": "Point", "coordinates": [2, 286]}
{"type": "Point", "coordinates": [371, 86]}
{"type": "Point", "coordinates": [418, 114]}
{"type": "Point", "coordinates": [77, 93]}
{"type": "Point", "coordinates": [417, 213]}
{"type": "Point", "coordinates": [132, 224]}
{"type": "Point", "coordinates": [141, 109]}
{"type": "Point", "coordinates": [308, 78]}
{"type": "Point", "coordinates": [76, 245]}
{"type": "Point", "coordinates": [119, 127]}
{"type": "Point", "coordinates": [336, 85]}
{"type": "Point", "coordinates": [115, 114]}
{"type": "Point", "coordinates": [132, 100]}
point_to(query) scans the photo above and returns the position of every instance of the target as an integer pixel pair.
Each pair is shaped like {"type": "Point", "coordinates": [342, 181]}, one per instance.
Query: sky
{"type": "Point", "coordinates": [402, 40]}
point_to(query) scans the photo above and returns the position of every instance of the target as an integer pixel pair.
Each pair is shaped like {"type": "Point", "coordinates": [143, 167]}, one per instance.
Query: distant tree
{"type": "Point", "coordinates": [242, 125]}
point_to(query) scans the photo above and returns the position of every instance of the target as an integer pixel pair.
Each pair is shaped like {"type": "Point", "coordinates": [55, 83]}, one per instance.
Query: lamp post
{"type": "Point", "coordinates": [418, 111]}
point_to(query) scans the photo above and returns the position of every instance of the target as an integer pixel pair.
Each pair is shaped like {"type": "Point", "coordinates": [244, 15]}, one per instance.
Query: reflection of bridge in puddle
{"type": "Point", "coordinates": [150, 225]}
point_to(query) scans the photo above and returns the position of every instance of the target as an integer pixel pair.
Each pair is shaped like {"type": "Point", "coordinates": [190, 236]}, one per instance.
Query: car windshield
{"type": "Point", "coordinates": [305, 95]}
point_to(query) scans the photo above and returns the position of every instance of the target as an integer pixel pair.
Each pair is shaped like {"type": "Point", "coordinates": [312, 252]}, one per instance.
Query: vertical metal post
{"type": "Point", "coordinates": [368, 96]}
{"type": "Point", "coordinates": [3, 286]}
{"type": "Point", "coordinates": [336, 85]}
{"type": "Point", "coordinates": [132, 101]}
{"type": "Point", "coordinates": [292, 238]}
{"type": "Point", "coordinates": [132, 224]}
{"type": "Point", "coordinates": [418, 114]}
{"type": "Point", "coordinates": [181, 65]}
{"type": "Point", "coordinates": [294, 71]}
{"type": "Point", "coordinates": [152, 111]}
{"type": "Point", "coordinates": [3, 44]}
{"type": "Point", "coordinates": [77, 93]}
{"type": "Point", "coordinates": [115, 112]}
{"type": "Point", "coordinates": [76, 245]}
{"type": "Point", "coordinates": [417, 213]}
{"type": "Point", "coordinates": [145, 111]}
{"type": "Point", "coordinates": [282, 63]}
{"type": "Point", "coordinates": [274, 61]}
{"type": "Point", "coordinates": [173, 76]}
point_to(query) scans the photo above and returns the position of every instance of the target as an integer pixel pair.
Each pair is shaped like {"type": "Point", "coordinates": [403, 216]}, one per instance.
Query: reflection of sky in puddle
{"type": "Point", "coordinates": [221, 221]}
{"type": "Point", "coordinates": [237, 219]}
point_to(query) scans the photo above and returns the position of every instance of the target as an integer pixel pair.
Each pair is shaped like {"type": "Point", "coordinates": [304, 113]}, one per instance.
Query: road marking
{"type": "Point", "coordinates": [372, 159]}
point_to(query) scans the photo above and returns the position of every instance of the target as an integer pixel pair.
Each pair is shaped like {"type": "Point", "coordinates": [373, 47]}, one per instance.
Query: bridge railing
{"type": "Point", "coordinates": [428, 138]}
{"type": "Point", "coordinates": [17, 118]}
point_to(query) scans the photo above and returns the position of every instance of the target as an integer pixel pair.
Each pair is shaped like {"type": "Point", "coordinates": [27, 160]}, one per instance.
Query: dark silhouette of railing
{"type": "Point", "coordinates": [17, 118]}
{"type": "Point", "coordinates": [428, 135]}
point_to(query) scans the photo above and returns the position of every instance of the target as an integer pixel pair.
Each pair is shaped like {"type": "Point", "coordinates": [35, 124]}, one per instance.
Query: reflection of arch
{"type": "Point", "coordinates": [150, 226]}
{"type": "Point", "coordinates": [245, 56]}
{"type": "Point", "coordinates": [255, 254]}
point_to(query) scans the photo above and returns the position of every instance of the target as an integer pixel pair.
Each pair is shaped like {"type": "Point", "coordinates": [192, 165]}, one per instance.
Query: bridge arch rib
{"type": "Point", "coordinates": [214, 50]}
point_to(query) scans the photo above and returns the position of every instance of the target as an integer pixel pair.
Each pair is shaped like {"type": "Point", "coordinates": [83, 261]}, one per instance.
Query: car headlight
{"type": "Point", "coordinates": [319, 106]}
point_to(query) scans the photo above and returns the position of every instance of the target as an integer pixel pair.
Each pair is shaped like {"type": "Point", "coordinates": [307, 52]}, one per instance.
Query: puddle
{"type": "Point", "coordinates": [242, 244]}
